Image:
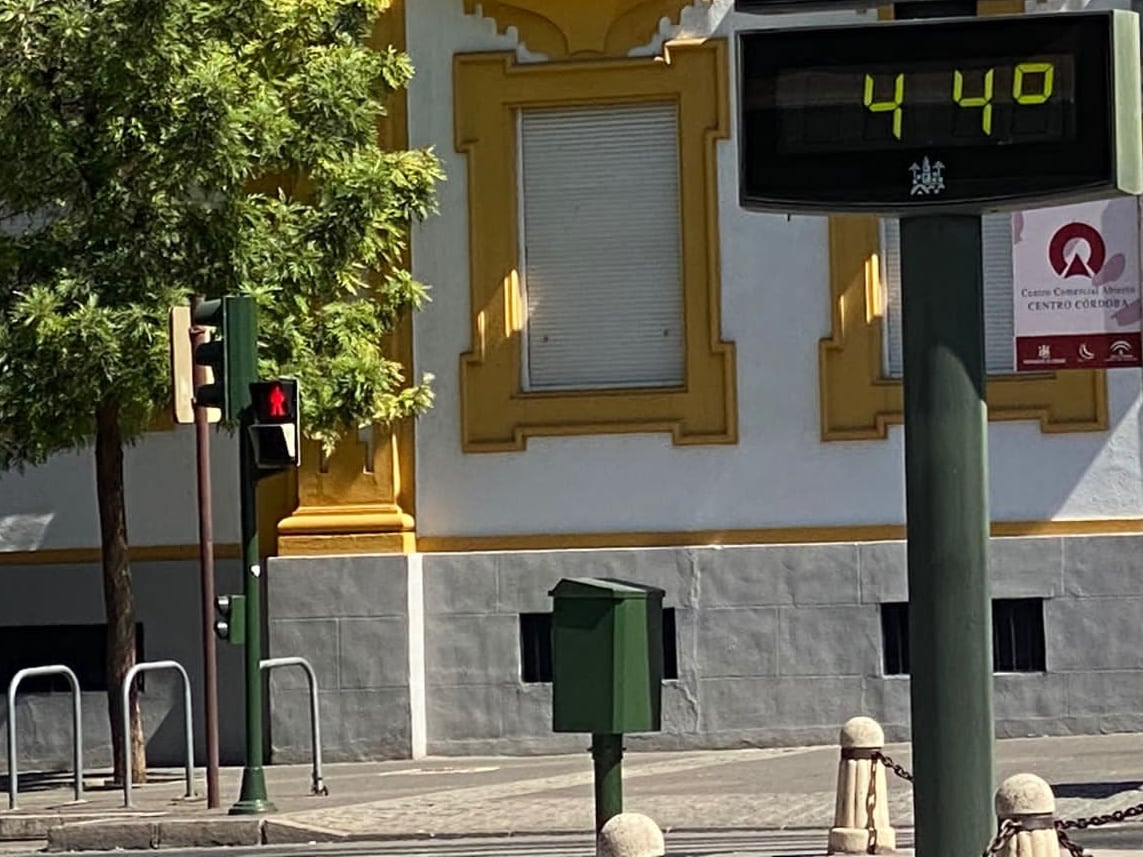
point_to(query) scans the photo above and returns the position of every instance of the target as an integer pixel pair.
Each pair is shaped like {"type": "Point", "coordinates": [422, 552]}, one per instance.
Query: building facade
{"type": "Point", "coordinates": [635, 378]}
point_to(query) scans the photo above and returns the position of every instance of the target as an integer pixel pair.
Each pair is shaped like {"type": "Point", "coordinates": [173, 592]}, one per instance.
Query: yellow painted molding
{"type": "Point", "coordinates": [999, 7]}
{"type": "Point", "coordinates": [408, 542]}
{"type": "Point", "coordinates": [348, 544]}
{"type": "Point", "coordinates": [775, 536]}
{"type": "Point", "coordinates": [496, 415]}
{"type": "Point", "coordinates": [563, 29]}
{"type": "Point", "coordinates": [346, 502]}
{"type": "Point", "coordinates": [346, 519]}
{"type": "Point", "coordinates": [137, 553]}
{"type": "Point", "coordinates": [859, 403]}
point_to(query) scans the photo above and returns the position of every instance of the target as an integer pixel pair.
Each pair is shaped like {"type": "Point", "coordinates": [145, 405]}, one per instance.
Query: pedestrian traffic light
{"type": "Point", "coordinates": [231, 354]}
{"type": "Point", "coordinates": [231, 622]}
{"type": "Point", "coordinates": [276, 430]}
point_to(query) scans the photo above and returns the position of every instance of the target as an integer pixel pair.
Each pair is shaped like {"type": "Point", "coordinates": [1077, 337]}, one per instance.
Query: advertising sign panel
{"type": "Point", "coordinates": [1075, 274]}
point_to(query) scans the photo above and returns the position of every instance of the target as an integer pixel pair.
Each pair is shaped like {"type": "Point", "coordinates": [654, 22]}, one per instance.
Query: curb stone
{"type": "Point", "coordinates": [209, 832]}
{"type": "Point", "coordinates": [104, 836]}
{"type": "Point", "coordinates": [159, 830]}
{"type": "Point", "coordinates": [28, 826]}
{"type": "Point", "coordinates": [282, 831]}
{"type": "Point", "coordinates": [135, 835]}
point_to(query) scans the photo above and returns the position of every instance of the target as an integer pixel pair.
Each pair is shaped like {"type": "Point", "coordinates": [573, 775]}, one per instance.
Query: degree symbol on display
{"type": "Point", "coordinates": [1077, 265]}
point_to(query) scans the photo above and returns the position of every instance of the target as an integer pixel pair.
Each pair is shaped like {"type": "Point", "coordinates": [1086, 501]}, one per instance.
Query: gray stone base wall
{"type": "Point", "coordinates": [167, 603]}
{"type": "Point", "coordinates": [777, 645]}
{"type": "Point", "coordinates": [349, 617]}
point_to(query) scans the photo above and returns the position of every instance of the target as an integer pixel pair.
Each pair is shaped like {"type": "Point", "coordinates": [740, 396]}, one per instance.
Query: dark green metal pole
{"type": "Point", "coordinates": [252, 798]}
{"type": "Point", "coordinates": [946, 487]}
{"type": "Point", "coordinates": [607, 756]}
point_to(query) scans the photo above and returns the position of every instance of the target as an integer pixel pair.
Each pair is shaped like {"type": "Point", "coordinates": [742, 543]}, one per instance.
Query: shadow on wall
{"type": "Point", "coordinates": [1093, 791]}
{"type": "Point", "coordinates": [167, 602]}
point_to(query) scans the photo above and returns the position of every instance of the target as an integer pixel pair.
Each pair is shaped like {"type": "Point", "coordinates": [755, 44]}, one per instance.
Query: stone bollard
{"type": "Point", "coordinates": [1027, 799]}
{"type": "Point", "coordinates": [630, 834]}
{"type": "Point", "coordinates": [861, 819]}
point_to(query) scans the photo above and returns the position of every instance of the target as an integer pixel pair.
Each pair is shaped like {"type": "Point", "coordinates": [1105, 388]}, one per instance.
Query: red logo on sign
{"type": "Point", "coordinates": [1077, 265]}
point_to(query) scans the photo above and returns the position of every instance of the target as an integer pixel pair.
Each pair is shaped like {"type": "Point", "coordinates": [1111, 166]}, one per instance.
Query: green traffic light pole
{"type": "Point", "coordinates": [252, 798]}
{"type": "Point", "coordinates": [242, 370]}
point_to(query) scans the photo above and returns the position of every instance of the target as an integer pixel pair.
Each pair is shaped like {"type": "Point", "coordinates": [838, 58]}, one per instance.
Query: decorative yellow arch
{"type": "Point", "coordinates": [563, 29]}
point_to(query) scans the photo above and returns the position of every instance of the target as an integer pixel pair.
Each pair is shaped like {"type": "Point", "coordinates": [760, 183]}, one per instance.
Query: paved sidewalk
{"type": "Point", "coordinates": [755, 789]}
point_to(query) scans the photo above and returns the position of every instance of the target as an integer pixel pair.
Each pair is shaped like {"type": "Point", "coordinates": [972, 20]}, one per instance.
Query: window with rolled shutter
{"type": "Point", "coordinates": [996, 252]}
{"type": "Point", "coordinates": [601, 256]}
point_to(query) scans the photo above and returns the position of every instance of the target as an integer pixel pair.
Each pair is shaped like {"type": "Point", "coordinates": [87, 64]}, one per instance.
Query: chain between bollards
{"type": "Point", "coordinates": [1074, 848]}
{"type": "Point", "coordinates": [900, 770]}
{"type": "Point", "coordinates": [1116, 817]}
{"type": "Point", "coordinates": [1100, 820]}
{"type": "Point", "coordinates": [1009, 827]}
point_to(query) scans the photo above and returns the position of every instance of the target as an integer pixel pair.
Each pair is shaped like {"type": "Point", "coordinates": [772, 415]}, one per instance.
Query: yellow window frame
{"type": "Point", "coordinates": [858, 402]}
{"type": "Point", "coordinates": [497, 415]}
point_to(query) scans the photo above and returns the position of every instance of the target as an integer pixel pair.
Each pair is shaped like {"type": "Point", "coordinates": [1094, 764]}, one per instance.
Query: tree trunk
{"type": "Point", "coordinates": [118, 596]}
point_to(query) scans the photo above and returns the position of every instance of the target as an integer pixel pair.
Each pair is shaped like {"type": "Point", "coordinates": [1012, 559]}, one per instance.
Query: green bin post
{"type": "Point", "coordinates": [607, 672]}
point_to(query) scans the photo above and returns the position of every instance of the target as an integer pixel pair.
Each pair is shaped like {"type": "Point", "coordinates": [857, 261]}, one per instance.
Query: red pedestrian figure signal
{"type": "Point", "coordinates": [274, 401]}
{"type": "Point", "coordinates": [275, 432]}
{"type": "Point", "coordinates": [277, 401]}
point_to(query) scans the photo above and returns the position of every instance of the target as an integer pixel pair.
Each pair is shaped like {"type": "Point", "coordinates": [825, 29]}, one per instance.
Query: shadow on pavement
{"type": "Point", "coordinates": [1095, 791]}
{"type": "Point", "coordinates": [93, 781]}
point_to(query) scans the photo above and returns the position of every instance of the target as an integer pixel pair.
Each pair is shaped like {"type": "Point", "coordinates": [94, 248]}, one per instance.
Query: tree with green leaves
{"type": "Point", "coordinates": [155, 149]}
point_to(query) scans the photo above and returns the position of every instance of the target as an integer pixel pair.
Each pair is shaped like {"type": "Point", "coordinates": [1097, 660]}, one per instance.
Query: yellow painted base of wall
{"type": "Point", "coordinates": [347, 530]}
{"type": "Point", "coordinates": [340, 545]}
{"type": "Point", "coordinates": [93, 556]}
{"type": "Point", "coordinates": [345, 544]}
{"type": "Point", "coordinates": [771, 536]}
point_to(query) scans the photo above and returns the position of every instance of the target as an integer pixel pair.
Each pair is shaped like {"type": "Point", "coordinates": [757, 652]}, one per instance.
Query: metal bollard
{"type": "Point", "coordinates": [317, 786]}
{"type": "Point", "coordinates": [1028, 801]}
{"type": "Point", "coordinates": [861, 817]}
{"type": "Point", "coordinates": [76, 728]}
{"type": "Point", "coordinates": [188, 725]}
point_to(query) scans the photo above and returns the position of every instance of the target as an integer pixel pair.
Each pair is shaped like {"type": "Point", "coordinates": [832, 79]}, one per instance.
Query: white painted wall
{"type": "Point", "coordinates": [54, 506]}
{"type": "Point", "coordinates": [775, 308]}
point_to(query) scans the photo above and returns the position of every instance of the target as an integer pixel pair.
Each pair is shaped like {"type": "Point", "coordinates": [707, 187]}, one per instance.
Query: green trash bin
{"type": "Point", "coordinates": [607, 656]}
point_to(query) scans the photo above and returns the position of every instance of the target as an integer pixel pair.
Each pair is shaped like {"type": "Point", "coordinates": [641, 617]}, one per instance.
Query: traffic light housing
{"type": "Point", "coordinates": [275, 433]}
{"type": "Point", "coordinates": [230, 624]}
{"type": "Point", "coordinates": [231, 354]}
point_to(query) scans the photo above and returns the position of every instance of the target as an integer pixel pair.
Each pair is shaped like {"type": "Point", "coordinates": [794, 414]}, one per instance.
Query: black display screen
{"type": "Point", "coordinates": [901, 115]}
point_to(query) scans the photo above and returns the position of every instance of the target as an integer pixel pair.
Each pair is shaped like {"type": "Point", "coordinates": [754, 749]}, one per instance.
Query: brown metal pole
{"type": "Point", "coordinates": [206, 569]}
